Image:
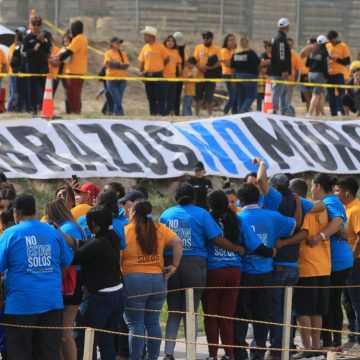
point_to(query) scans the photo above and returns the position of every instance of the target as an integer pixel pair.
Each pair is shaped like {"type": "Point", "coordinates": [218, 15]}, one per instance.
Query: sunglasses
{"type": "Point", "coordinates": [36, 24]}
{"type": "Point", "coordinates": [207, 37]}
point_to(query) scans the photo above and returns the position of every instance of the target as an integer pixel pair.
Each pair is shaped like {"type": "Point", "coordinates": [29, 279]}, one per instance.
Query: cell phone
{"type": "Point", "coordinates": [74, 178]}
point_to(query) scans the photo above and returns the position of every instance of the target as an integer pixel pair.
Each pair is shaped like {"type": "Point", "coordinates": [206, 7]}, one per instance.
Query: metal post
{"type": "Point", "coordinates": [190, 325]}
{"type": "Point", "coordinates": [89, 344]}
{"type": "Point", "coordinates": [287, 321]}
{"type": "Point", "coordinates": [56, 17]}
{"type": "Point", "coordinates": [221, 17]}
{"type": "Point", "coordinates": [137, 15]}
{"type": "Point", "coordinates": [298, 17]}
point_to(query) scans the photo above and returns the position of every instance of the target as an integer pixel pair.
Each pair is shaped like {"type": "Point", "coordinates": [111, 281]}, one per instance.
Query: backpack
{"type": "Point", "coordinates": [16, 60]}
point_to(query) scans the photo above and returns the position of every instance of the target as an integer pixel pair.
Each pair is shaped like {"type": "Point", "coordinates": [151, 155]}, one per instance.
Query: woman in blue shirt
{"type": "Point", "coordinates": [341, 254]}
{"type": "Point", "coordinates": [58, 214]}
{"type": "Point", "coordinates": [197, 230]}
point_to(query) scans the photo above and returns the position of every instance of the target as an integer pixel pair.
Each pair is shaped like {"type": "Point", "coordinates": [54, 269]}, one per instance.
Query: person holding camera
{"type": "Point", "coordinates": [36, 50]}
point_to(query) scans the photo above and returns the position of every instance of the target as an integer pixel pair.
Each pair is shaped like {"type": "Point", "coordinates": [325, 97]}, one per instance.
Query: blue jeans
{"type": "Point", "coordinates": [102, 311]}
{"type": "Point", "coordinates": [354, 279]}
{"type": "Point", "coordinates": [245, 92]}
{"type": "Point", "coordinates": [13, 94]}
{"type": "Point", "coordinates": [187, 105]}
{"type": "Point", "coordinates": [335, 101]}
{"type": "Point", "coordinates": [231, 92]}
{"type": "Point", "coordinates": [288, 276]}
{"type": "Point", "coordinates": [117, 88]}
{"type": "Point", "coordinates": [144, 322]}
{"type": "Point", "coordinates": [279, 96]}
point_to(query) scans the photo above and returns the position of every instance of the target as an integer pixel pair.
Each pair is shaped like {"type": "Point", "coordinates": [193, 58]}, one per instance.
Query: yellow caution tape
{"type": "Point", "coordinates": [195, 80]}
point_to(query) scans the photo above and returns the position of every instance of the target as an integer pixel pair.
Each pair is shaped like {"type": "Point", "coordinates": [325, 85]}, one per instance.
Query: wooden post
{"type": "Point", "coordinates": [89, 344]}
{"type": "Point", "coordinates": [190, 325]}
{"type": "Point", "coordinates": [331, 355]}
{"type": "Point", "coordinates": [287, 321]}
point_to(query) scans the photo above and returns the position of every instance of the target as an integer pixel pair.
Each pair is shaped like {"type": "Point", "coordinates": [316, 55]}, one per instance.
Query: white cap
{"type": "Point", "coordinates": [150, 30]}
{"type": "Point", "coordinates": [322, 39]}
{"type": "Point", "coordinates": [283, 22]}
{"type": "Point", "coordinates": [179, 37]}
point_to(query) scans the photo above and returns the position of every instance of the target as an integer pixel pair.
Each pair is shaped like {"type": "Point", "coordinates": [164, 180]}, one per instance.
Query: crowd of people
{"type": "Point", "coordinates": [100, 259]}
{"type": "Point", "coordinates": [324, 60]}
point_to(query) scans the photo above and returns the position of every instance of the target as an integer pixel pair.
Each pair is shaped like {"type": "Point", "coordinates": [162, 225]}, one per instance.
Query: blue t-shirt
{"type": "Point", "coordinates": [73, 230]}
{"type": "Point", "coordinates": [194, 226]}
{"type": "Point", "coordinates": [118, 227]}
{"type": "Point", "coordinates": [273, 199]}
{"type": "Point", "coordinates": [268, 226]}
{"type": "Point", "coordinates": [32, 254]}
{"type": "Point", "coordinates": [219, 258]}
{"type": "Point", "coordinates": [341, 254]}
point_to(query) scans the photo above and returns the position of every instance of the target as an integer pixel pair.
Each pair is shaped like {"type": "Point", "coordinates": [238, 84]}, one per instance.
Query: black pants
{"type": "Point", "coordinates": [350, 313]}
{"type": "Point", "coordinates": [179, 86]}
{"type": "Point", "coordinates": [23, 343]}
{"type": "Point", "coordinates": [36, 85]}
{"type": "Point", "coordinates": [171, 88]}
{"type": "Point", "coordinates": [156, 94]}
{"type": "Point", "coordinates": [334, 318]}
{"type": "Point", "coordinates": [252, 304]}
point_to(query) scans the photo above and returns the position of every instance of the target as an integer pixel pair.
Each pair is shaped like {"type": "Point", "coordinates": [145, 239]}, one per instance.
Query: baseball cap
{"type": "Point", "coordinates": [207, 34]}
{"type": "Point", "coordinates": [132, 196]}
{"type": "Point", "coordinates": [179, 37]}
{"type": "Point", "coordinates": [322, 39]}
{"type": "Point", "coordinates": [116, 39]}
{"type": "Point", "coordinates": [283, 22]}
{"type": "Point", "coordinates": [25, 203]}
{"type": "Point", "coordinates": [199, 166]}
{"type": "Point", "coordinates": [281, 181]}
{"type": "Point", "coordinates": [90, 188]}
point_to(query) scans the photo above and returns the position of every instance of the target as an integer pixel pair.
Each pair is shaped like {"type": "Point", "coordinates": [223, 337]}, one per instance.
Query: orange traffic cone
{"type": "Point", "coordinates": [267, 105]}
{"type": "Point", "coordinates": [48, 102]}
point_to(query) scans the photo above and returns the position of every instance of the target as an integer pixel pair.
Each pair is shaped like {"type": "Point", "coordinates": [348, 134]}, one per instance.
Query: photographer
{"type": "Point", "coordinates": [36, 49]}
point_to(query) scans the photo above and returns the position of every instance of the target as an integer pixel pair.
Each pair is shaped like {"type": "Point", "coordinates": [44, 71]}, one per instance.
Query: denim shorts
{"type": "Point", "coordinates": [318, 78]}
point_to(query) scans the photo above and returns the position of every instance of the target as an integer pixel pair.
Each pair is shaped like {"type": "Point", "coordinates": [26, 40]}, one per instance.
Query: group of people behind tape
{"type": "Point", "coordinates": [100, 259]}
{"type": "Point", "coordinates": [324, 60]}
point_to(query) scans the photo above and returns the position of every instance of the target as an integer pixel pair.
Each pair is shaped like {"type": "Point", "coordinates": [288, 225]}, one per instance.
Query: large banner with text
{"type": "Point", "coordinates": [40, 149]}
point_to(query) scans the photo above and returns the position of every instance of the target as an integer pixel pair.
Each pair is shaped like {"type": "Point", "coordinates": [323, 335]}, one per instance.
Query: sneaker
{"type": "Point", "coordinates": [355, 349]}
{"type": "Point", "coordinates": [348, 345]}
{"type": "Point", "coordinates": [317, 355]}
{"type": "Point", "coordinates": [300, 355]}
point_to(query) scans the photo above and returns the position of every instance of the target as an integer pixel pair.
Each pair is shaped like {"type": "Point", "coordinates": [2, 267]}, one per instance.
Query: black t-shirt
{"type": "Point", "coordinates": [246, 62]}
{"type": "Point", "coordinates": [201, 186]}
{"type": "Point", "coordinates": [318, 62]}
{"type": "Point", "coordinates": [99, 264]}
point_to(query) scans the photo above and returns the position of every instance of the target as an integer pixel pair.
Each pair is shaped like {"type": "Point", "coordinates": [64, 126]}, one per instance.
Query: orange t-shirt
{"type": "Point", "coordinates": [133, 259]}
{"type": "Point", "coordinates": [296, 65]}
{"type": "Point", "coordinates": [315, 261]}
{"type": "Point", "coordinates": [113, 55]}
{"type": "Point", "coordinates": [79, 59]}
{"type": "Point", "coordinates": [10, 55]}
{"type": "Point", "coordinates": [153, 56]}
{"type": "Point", "coordinates": [174, 61]}
{"type": "Point", "coordinates": [79, 210]}
{"type": "Point", "coordinates": [189, 87]}
{"type": "Point", "coordinates": [342, 51]}
{"type": "Point", "coordinates": [202, 53]}
{"type": "Point", "coordinates": [304, 69]}
{"type": "Point", "coordinates": [3, 60]}
{"type": "Point", "coordinates": [353, 222]}
{"type": "Point", "coordinates": [54, 70]}
{"type": "Point", "coordinates": [226, 54]}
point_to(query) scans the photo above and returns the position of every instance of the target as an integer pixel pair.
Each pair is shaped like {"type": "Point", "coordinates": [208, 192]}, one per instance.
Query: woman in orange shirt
{"type": "Point", "coordinates": [171, 70]}
{"type": "Point", "coordinates": [226, 53]}
{"type": "Point", "coordinates": [144, 274]}
{"type": "Point", "coordinates": [116, 63]}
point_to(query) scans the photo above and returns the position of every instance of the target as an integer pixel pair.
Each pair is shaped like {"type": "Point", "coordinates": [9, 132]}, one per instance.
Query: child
{"type": "Point", "coordinates": [189, 87]}
{"type": "Point", "coordinates": [261, 87]}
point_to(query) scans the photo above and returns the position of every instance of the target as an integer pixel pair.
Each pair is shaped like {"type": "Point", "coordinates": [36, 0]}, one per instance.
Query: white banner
{"type": "Point", "coordinates": [40, 149]}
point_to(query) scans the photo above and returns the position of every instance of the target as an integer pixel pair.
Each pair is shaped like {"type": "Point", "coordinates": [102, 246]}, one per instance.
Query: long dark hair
{"type": "Point", "coordinates": [226, 39]}
{"type": "Point", "coordinates": [325, 181]}
{"type": "Point", "coordinates": [146, 235]}
{"type": "Point", "coordinates": [224, 216]}
{"type": "Point", "coordinates": [103, 217]}
{"type": "Point", "coordinates": [173, 39]}
{"type": "Point", "coordinates": [109, 199]}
